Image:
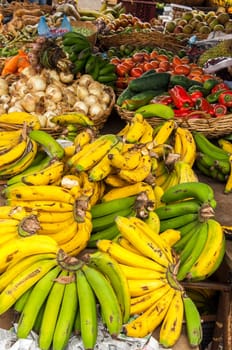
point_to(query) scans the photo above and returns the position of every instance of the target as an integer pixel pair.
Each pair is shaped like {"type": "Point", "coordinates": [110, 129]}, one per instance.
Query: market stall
{"type": "Point", "coordinates": [115, 176]}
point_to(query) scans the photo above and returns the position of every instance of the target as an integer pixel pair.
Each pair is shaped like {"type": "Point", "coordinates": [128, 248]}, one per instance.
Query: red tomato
{"type": "Point", "coordinates": [115, 60]}
{"type": "Point", "coordinates": [147, 66]}
{"type": "Point", "coordinates": [122, 70]}
{"type": "Point", "coordinates": [155, 64]}
{"type": "Point", "coordinates": [165, 65]}
{"type": "Point", "coordinates": [136, 72]}
{"type": "Point", "coordinates": [138, 57]}
{"type": "Point", "coordinates": [146, 56]}
{"type": "Point", "coordinates": [128, 61]}
{"type": "Point", "coordinates": [183, 69]}
{"type": "Point", "coordinates": [153, 54]}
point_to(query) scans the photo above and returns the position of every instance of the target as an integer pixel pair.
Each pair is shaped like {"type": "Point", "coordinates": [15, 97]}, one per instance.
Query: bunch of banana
{"type": "Point", "coordinates": [189, 208]}
{"type": "Point", "coordinates": [146, 259]}
{"type": "Point", "coordinates": [213, 161]}
{"type": "Point", "coordinates": [17, 152]}
{"type": "Point", "coordinates": [185, 145]}
{"type": "Point", "coordinates": [18, 120]}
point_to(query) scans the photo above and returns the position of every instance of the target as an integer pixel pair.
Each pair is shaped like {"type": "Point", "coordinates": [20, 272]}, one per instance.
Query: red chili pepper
{"type": "Point", "coordinates": [182, 112]}
{"type": "Point", "coordinates": [203, 105]}
{"type": "Point", "coordinates": [180, 97]}
{"type": "Point", "coordinates": [196, 94]}
{"type": "Point", "coordinates": [164, 99]}
{"type": "Point", "coordinates": [219, 86]}
{"type": "Point", "coordinates": [225, 98]}
{"type": "Point", "coordinates": [219, 110]}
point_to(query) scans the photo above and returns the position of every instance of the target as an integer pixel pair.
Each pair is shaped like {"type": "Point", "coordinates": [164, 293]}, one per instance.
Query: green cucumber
{"type": "Point", "coordinates": [107, 69]}
{"type": "Point", "coordinates": [125, 95]}
{"type": "Point", "coordinates": [184, 81]}
{"type": "Point", "coordinates": [146, 95]}
{"type": "Point", "coordinates": [152, 81]}
{"type": "Point", "coordinates": [107, 78]}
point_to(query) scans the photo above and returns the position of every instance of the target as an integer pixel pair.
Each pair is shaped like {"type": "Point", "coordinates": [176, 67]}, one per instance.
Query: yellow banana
{"type": "Point", "coordinates": [99, 171]}
{"type": "Point", "coordinates": [138, 273]}
{"type": "Point", "coordinates": [17, 267]}
{"type": "Point", "coordinates": [23, 281]}
{"type": "Point", "coordinates": [66, 234]}
{"type": "Point", "coordinates": [138, 174]}
{"type": "Point", "coordinates": [42, 205]}
{"type": "Point", "coordinates": [14, 153]}
{"type": "Point", "coordinates": [226, 145]}
{"type": "Point", "coordinates": [114, 180]}
{"type": "Point", "coordinates": [228, 186]}
{"type": "Point", "coordinates": [126, 244]}
{"type": "Point", "coordinates": [148, 321]}
{"type": "Point", "coordinates": [5, 238]}
{"type": "Point", "coordinates": [158, 192]}
{"type": "Point", "coordinates": [147, 135]}
{"type": "Point", "coordinates": [83, 138]}
{"type": "Point", "coordinates": [126, 191]}
{"type": "Point", "coordinates": [187, 149]}
{"type": "Point", "coordinates": [53, 216]}
{"type": "Point", "coordinates": [144, 302]}
{"type": "Point", "coordinates": [164, 132]}
{"type": "Point", "coordinates": [170, 236]}
{"type": "Point", "coordinates": [125, 256]}
{"type": "Point", "coordinates": [124, 130]}
{"type": "Point", "coordinates": [127, 160]}
{"type": "Point", "coordinates": [72, 118]}
{"type": "Point", "coordinates": [172, 323]}
{"type": "Point", "coordinates": [185, 172]}
{"type": "Point", "coordinates": [135, 130]}
{"type": "Point", "coordinates": [153, 221]}
{"type": "Point", "coordinates": [21, 118]}
{"type": "Point", "coordinates": [47, 228]}
{"type": "Point", "coordinates": [141, 287]}
{"type": "Point", "coordinates": [38, 193]}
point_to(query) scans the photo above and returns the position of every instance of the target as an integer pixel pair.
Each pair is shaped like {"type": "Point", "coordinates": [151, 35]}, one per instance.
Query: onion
{"type": "Point", "coordinates": [28, 102]}
{"type": "Point", "coordinates": [5, 98]}
{"type": "Point", "coordinates": [82, 92]}
{"type": "Point", "coordinates": [16, 108]}
{"type": "Point", "coordinates": [54, 92]}
{"type": "Point", "coordinates": [105, 98]}
{"type": "Point", "coordinates": [3, 87]}
{"type": "Point", "coordinates": [66, 77]}
{"type": "Point", "coordinates": [50, 105]}
{"type": "Point", "coordinates": [37, 83]}
{"type": "Point", "coordinates": [90, 100]}
{"type": "Point", "coordinates": [28, 72]}
{"type": "Point", "coordinates": [96, 110]}
{"type": "Point", "coordinates": [81, 106]}
{"type": "Point", "coordinates": [95, 88]}
{"type": "Point", "coordinates": [85, 80]}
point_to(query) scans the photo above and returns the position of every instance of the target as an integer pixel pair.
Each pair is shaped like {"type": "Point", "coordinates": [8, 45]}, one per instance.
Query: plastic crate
{"type": "Point", "coordinates": [144, 10]}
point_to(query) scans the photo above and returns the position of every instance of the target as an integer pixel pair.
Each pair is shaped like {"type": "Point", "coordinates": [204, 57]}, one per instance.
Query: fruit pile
{"type": "Point", "coordinates": [123, 195]}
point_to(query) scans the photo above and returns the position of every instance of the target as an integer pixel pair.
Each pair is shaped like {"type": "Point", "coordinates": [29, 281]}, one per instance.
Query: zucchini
{"type": "Point", "coordinates": [146, 95]}
{"type": "Point", "coordinates": [152, 81]}
{"type": "Point", "coordinates": [125, 95]}
{"type": "Point", "coordinates": [184, 81]}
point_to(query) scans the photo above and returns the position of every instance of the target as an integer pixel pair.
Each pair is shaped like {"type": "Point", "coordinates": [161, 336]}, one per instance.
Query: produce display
{"type": "Point", "coordinates": [106, 229]}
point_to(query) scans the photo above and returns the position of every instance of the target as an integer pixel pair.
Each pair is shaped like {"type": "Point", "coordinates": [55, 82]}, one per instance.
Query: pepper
{"type": "Point", "coordinates": [203, 105]}
{"type": "Point", "coordinates": [219, 109]}
{"type": "Point", "coordinates": [180, 97]}
{"type": "Point", "coordinates": [182, 112]}
{"type": "Point", "coordinates": [196, 94]}
{"type": "Point", "coordinates": [213, 98]}
{"type": "Point", "coordinates": [225, 98]}
{"type": "Point", "coordinates": [164, 99]}
{"type": "Point", "coordinates": [219, 86]}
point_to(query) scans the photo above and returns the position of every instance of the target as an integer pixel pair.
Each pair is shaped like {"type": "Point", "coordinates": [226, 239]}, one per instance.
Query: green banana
{"type": "Point", "coordinates": [111, 311]}
{"type": "Point", "coordinates": [66, 317]}
{"type": "Point", "coordinates": [111, 269]}
{"type": "Point", "coordinates": [156, 110]}
{"type": "Point", "coordinates": [187, 239]}
{"type": "Point", "coordinates": [178, 221]}
{"type": "Point", "coordinates": [193, 254]}
{"type": "Point", "coordinates": [193, 322]}
{"type": "Point", "coordinates": [205, 146]}
{"type": "Point", "coordinates": [34, 302]}
{"type": "Point", "coordinates": [105, 208]}
{"type": "Point", "coordinates": [109, 233]}
{"type": "Point", "coordinates": [198, 190]}
{"type": "Point", "coordinates": [51, 312]}
{"type": "Point", "coordinates": [72, 118]}
{"type": "Point", "coordinates": [21, 301]}
{"type": "Point", "coordinates": [48, 142]}
{"type": "Point", "coordinates": [106, 221]}
{"type": "Point", "coordinates": [176, 209]}
{"type": "Point", "coordinates": [88, 311]}
{"type": "Point", "coordinates": [38, 320]}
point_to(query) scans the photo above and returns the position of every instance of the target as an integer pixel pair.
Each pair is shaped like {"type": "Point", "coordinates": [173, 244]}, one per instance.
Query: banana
{"type": "Point", "coordinates": [72, 118]}
{"type": "Point", "coordinates": [211, 255]}
{"type": "Point", "coordinates": [170, 236]}
{"type": "Point", "coordinates": [127, 161]}
{"type": "Point", "coordinates": [138, 273]}
{"type": "Point", "coordinates": [109, 233]}
{"type": "Point", "coordinates": [171, 180]}
{"type": "Point", "coordinates": [66, 316]}
{"type": "Point", "coordinates": [123, 242]}
{"type": "Point", "coordinates": [158, 192]}
{"type": "Point", "coordinates": [47, 228]}
{"type": "Point", "coordinates": [23, 281]}
{"type": "Point", "coordinates": [20, 248]}
{"type": "Point", "coordinates": [15, 268]}
{"type": "Point", "coordinates": [193, 255]}
{"type": "Point", "coordinates": [228, 186]}
{"type": "Point", "coordinates": [21, 301]}
{"type": "Point", "coordinates": [125, 256]}
{"type": "Point", "coordinates": [177, 209]}
{"type": "Point", "coordinates": [205, 146]}
{"type": "Point", "coordinates": [88, 311]}
{"type": "Point", "coordinates": [42, 205]}
{"type": "Point", "coordinates": [20, 119]}
{"type": "Point", "coordinates": [35, 301]}
{"type": "Point", "coordinates": [143, 238]}
{"type": "Point", "coordinates": [153, 221]}
{"type": "Point", "coordinates": [38, 193]}
{"type": "Point", "coordinates": [143, 286]}
{"type": "Point", "coordinates": [198, 190]}
{"type": "Point", "coordinates": [185, 172]}
{"type": "Point", "coordinates": [186, 235]}
{"type": "Point", "coordinates": [149, 320]}
{"type": "Point", "coordinates": [14, 153]}
{"type": "Point", "coordinates": [144, 302]}
{"type": "Point", "coordinates": [47, 176]}
{"type": "Point", "coordinates": [21, 163]}
{"type": "Point", "coordinates": [53, 216]}
{"type": "Point", "coordinates": [226, 145]}
{"type": "Point", "coordinates": [8, 236]}
{"type": "Point", "coordinates": [135, 130]}
{"type": "Point", "coordinates": [48, 143]}
{"type": "Point", "coordinates": [193, 322]}
{"type": "Point", "coordinates": [83, 138]}
{"type": "Point", "coordinates": [51, 311]}
{"type": "Point", "coordinates": [112, 270]}
{"type": "Point", "coordinates": [9, 138]}
{"type": "Point", "coordinates": [138, 174]}
{"type": "Point", "coordinates": [106, 221]}
{"type": "Point", "coordinates": [185, 145]}
{"type": "Point", "coordinates": [66, 234]}
{"type": "Point", "coordinates": [104, 292]}
{"type": "Point", "coordinates": [147, 133]}
{"type": "Point", "coordinates": [112, 206]}
{"type": "Point", "coordinates": [94, 153]}
{"type": "Point", "coordinates": [113, 180]}
{"type": "Point", "coordinates": [127, 191]}
{"type": "Point", "coordinates": [172, 323]}
{"type": "Point", "coordinates": [164, 132]}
